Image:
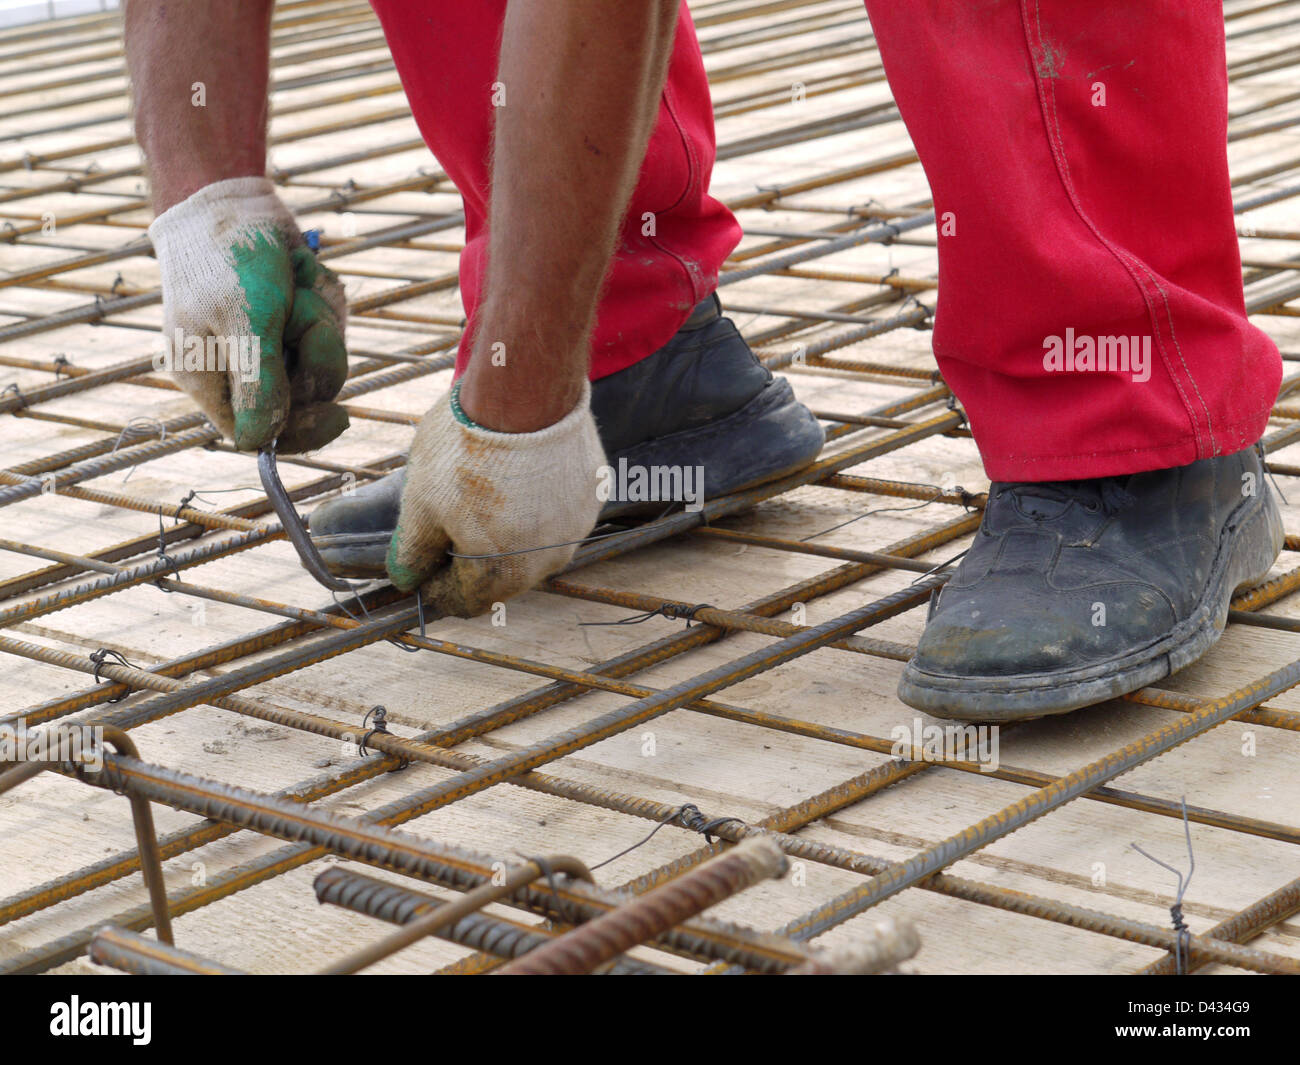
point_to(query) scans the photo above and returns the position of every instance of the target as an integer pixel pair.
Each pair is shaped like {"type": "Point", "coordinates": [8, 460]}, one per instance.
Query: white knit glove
{"type": "Point", "coordinates": [479, 492]}
{"type": "Point", "coordinates": [235, 266]}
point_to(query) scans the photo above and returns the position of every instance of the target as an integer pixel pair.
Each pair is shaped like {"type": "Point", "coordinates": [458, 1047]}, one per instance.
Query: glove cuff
{"type": "Point", "coordinates": [218, 212]}
{"type": "Point", "coordinates": [572, 424]}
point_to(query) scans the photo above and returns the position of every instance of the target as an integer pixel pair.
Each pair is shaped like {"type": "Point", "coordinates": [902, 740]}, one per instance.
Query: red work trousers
{"type": "Point", "coordinates": [1090, 314]}
{"type": "Point", "coordinates": [446, 54]}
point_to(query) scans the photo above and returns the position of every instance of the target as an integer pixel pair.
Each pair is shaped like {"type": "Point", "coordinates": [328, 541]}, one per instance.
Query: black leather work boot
{"type": "Point", "coordinates": [1079, 591]}
{"type": "Point", "coordinates": [701, 403]}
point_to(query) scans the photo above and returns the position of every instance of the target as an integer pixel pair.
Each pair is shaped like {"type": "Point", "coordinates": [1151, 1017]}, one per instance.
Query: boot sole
{"type": "Point", "coordinates": [1248, 546]}
{"type": "Point", "coordinates": [771, 436]}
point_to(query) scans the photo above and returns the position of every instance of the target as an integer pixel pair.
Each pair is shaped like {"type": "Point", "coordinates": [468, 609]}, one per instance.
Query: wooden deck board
{"type": "Point", "coordinates": [51, 826]}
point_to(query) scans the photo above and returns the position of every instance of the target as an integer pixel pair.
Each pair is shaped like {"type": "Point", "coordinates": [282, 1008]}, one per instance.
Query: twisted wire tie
{"type": "Point", "coordinates": [98, 657]}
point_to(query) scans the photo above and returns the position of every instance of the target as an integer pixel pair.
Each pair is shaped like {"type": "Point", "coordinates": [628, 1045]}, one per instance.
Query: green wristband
{"type": "Point", "coordinates": [457, 411]}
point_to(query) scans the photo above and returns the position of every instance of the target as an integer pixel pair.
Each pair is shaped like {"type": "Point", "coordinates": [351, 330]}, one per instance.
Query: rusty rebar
{"type": "Point", "coordinates": [449, 913]}
{"type": "Point", "coordinates": [816, 332]}
{"type": "Point", "coordinates": [146, 835]}
{"type": "Point", "coordinates": [641, 919]}
{"type": "Point", "coordinates": [879, 948]}
{"type": "Point", "coordinates": [120, 948]}
{"type": "Point", "coordinates": [397, 904]}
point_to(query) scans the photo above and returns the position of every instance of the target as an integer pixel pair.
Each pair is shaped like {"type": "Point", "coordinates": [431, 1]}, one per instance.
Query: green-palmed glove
{"type": "Point", "coordinates": [473, 491]}
{"type": "Point", "coordinates": [252, 323]}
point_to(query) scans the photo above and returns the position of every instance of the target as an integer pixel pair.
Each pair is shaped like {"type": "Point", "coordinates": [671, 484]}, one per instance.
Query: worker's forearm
{"type": "Point", "coordinates": [582, 81]}
{"type": "Point", "coordinates": [199, 72]}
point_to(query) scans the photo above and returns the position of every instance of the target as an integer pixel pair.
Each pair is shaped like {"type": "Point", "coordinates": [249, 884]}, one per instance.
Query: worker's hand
{"type": "Point", "coordinates": [477, 492]}
{"type": "Point", "coordinates": [253, 324]}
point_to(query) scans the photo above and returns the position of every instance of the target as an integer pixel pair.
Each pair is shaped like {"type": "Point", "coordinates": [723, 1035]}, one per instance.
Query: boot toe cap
{"type": "Point", "coordinates": [1041, 631]}
{"type": "Point", "coordinates": [370, 510]}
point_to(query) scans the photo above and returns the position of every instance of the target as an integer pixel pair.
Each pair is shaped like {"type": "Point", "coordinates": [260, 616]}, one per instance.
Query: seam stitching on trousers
{"type": "Point", "coordinates": [1047, 102]}
{"type": "Point", "coordinates": [1133, 266]}
{"type": "Point", "coordinates": [692, 179]}
{"type": "Point", "coordinates": [1131, 263]}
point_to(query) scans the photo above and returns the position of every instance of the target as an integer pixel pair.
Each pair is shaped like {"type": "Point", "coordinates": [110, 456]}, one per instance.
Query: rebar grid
{"type": "Point", "coordinates": [817, 292]}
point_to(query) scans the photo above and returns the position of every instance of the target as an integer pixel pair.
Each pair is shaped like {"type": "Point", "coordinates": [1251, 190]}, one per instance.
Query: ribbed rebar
{"type": "Point", "coordinates": [120, 948]}
{"type": "Point", "coordinates": [399, 905]}
{"type": "Point", "coordinates": [58, 146]}
{"type": "Point", "coordinates": [641, 919]}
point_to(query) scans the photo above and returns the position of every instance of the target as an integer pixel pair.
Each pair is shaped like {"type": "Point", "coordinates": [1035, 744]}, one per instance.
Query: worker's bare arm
{"type": "Point", "coordinates": [199, 73]}
{"type": "Point", "coordinates": [234, 267]}
{"type": "Point", "coordinates": [582, 81]}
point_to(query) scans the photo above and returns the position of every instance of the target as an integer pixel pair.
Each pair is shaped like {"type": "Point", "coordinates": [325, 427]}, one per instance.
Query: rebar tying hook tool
{"type": "Point", "coordinates": [294, 527]}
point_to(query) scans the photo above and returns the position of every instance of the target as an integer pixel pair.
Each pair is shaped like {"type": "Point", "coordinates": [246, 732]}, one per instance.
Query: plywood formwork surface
{"type": "Point", "coordinates": [101, 456]}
